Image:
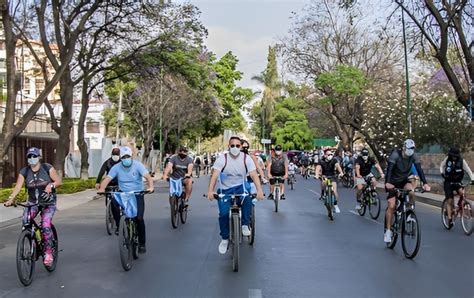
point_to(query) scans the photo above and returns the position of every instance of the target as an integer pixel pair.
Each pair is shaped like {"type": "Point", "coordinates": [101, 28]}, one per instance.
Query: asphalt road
{"type": "Point", "coordinates": [298, 253]}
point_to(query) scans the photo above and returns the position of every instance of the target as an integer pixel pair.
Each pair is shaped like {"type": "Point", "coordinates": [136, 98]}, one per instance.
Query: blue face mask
{"type": "Point", "coordinates": [127, 162]}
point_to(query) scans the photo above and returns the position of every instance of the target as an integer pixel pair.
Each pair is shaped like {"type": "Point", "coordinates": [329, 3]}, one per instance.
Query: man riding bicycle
{"type": "Point", "coordinates": [304, 163]}
{"type": "Point", "coordinates": [129, 174]}
{"type": "Point", "coordinates": [327, 167]}
{"type": "Point", "coordinates": [245, 149]}
{"type": "Point", "coordinates": [363, 168]}
{"type": "Point", "coordinates": [197, 162]}
{"type": "Point", "coordinates": [181, 167]}
{"type": "Point", "coordinates": [398, 170]}
{"type": "Point", "coordinates": [277, 167]}
{"type": "Point", "coordinates": [453, 168]}
{"type": "Point", "coordinates": [292, 171]}
{"type": "Point", "coordinates": [231, 170]}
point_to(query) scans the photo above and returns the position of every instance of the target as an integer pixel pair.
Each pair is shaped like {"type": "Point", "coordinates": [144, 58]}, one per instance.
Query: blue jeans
{"type": "Point", "coordinates": [224, 209]}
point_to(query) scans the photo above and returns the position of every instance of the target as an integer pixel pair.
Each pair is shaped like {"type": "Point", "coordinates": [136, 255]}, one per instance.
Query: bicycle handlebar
{"type": "Point", "coordinates": [135, 192]}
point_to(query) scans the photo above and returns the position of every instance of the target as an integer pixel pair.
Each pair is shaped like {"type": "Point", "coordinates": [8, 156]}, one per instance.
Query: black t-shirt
{"type": "Point", "coordinates": [36, 182]}
{"type": "Point", "coordinates": [180, 166]}
{"type": "Point", "coordinates": [401, 166]}
{"type": "Point", "coordinates": [365, 166]}
{"type": "Point", "coordinates": [328, 167]}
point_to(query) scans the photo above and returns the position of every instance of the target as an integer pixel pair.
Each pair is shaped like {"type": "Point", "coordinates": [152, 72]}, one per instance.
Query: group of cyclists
{"type": "Point", "coordinates": [238, 171]}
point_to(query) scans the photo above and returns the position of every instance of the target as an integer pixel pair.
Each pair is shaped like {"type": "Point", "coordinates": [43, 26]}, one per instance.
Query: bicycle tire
{"type": "Point", "coordinates": [363, 206]}
{"type": "Point", "coordinates": [466, 219]}
{"type": "Point", "coordinates": [125, 249]}
{"type": "Point", "coordinates": [252, 225]}
{"type": "Point", "coordinates": [276, 198]}
{"type": "Point", "coordinates": [55, 248]}
{"type": "Point", "coordinates": [392, 244]}
{"type": "Point", "coordinates": [25, 276]}
{"type": "Point", "coordinates": [330, 203]}
{"type": "Point", "coordinates": [183, 212]}
{"type": "Point", "coordinates": [410, 230]}
{"type": "Point", "coordinates": [291, 183]}
{"type": "Point", "coordinates": [132, 225]}
{"type": "Point", "coordinates": [444, 215]}
{"type": "Point", "coordinates": [236, 229]}
{"type": "Point", "coordinates": [374, 205]}
{"type": "Point", "coordinates": [174, 211]}
{"type": "Point", "coordinates": [345, 181]}
{"type": "Point", "coordinates": [109, 218]}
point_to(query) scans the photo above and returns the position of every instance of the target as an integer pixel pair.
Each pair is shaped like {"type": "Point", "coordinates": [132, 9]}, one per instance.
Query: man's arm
{"type": "Point", "coordinates": [168, 169]}
{"type": "Point", "coordinates": [104, 183]}
{"type": "Point", "coordinates": [190, 170]}
{"type": "Point", "coordinates": [339, 169]}
{"type": "Point", "coordinates": [269, 167]}
{"type": "Point", "coordinates": [257, 165]}
{"type": "Point", "coordinates": [379, 168]}
{"type": "Point", "coordinates": [466, 169]}
{"type": "Point", "coordinates": [149, 182]}
{"type": "Point", "coordinates": [358, 171]}
{"type": "Point", "coordinates": [101, 173]}
{"type": "Point", "coordinates": [318, 171]}
{"type": "Point", "coordinates": [256, 181]}
{"type": "Point", "coordinates": [212, 185]}
{"type": "Point", "coordinates": [442, 166]}
{"type": "Point", "coordinates": [286, 168]}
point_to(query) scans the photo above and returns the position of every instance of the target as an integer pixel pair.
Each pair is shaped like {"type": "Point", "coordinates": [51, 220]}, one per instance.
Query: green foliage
{"type": "Point", "coordinates": [345, 81]}
{"type": "Point", "coordinates": [294, 134]}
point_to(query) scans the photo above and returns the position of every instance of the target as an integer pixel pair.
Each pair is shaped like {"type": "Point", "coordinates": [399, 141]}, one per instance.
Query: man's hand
{"type": "Point", "coordinates": [260, 195]}
{"type": "Point", "coordinates": [150, 189]}
{"type": "Point", "coordinates": [426, 187]}
{"type": "Point", "coordinates": [285, 177]}
{"type": "Point", "coordinates": [389, 186]}
{"type": "Point", "coordinates": [210, 195]}
{"type": "Point", "coordinates": [97, 186]}
{"type": "Point", "coordinates": [101, 189]}
{"type": "Point", "coordinates": [382, 176]}
{"type": "Point", "coordinates": [49, 188]}
{"type": "Point", "coordinates": [9, 202]}
{"type": "Point", "coordinates": [164, 177]}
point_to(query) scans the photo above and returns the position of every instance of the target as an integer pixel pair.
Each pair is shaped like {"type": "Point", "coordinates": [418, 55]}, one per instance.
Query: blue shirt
{"type": "Point", "coordinates": [129, 179]}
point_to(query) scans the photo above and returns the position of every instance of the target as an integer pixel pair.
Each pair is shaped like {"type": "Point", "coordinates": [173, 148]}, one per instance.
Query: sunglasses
{"type": "Point", "coordinates": [31, 156]}
{"type": "Point", "coordinates": [235, 145]}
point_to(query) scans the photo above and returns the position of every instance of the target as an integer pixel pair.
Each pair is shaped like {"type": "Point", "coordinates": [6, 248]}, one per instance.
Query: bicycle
{"type": "Point", "coordinates": [291, 180]}
{"type": "Point", "coordinates": [128, 230]}
{"type": "Point", "coordinates": [198, 170]}
{"type": "Point", "coordinates": [405, 223]}
{"type": "Point", "coordinates": [369, 198]}
{"type": "Point", "coordinates": [235, 237]}
{"type": "Point", "coordinates": [328, 196]}
{"type": "Point", "coordinates": [30, 247]}
{"type": "Point", "coordinates": [277, 190]}
{"type": "Point", "coordinates": [463, 209]}
{"type": "Point", "coordinates": [348, 179]}
{"type": "Point", "coordinates": [179, 211]}
{"type": "Point", "coordinates": [109, 217]}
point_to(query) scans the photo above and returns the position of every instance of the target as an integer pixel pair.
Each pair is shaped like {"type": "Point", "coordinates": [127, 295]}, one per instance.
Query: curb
{"type": "Point", "coordinates": [423, 199]}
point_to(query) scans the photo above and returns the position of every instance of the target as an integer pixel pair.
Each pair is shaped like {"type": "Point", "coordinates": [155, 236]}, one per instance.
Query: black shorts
{"type": "Point", "coordinates": [400, 185]}
{"type": "Point", "coordinates": [274, 180]}
{"type": "Point", "coordinates": [450, 188]}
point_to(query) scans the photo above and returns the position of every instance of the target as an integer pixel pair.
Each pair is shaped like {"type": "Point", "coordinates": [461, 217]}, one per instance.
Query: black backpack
{"type": "Point", "coordinates": [454, 171]}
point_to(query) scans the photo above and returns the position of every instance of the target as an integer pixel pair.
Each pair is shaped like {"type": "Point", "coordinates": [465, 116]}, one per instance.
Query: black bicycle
{"type": "Point", "coordinates": [370, 198]}
{"type": "Point", "coordinates": [406, 224]}
{"type": "Point", "coordinates": [348, 179]}
{"type": "Point", "coordinates": [235, 224]}
{"type": "Point", "coordinates": [328, 196]}
{"type": "Point", "coordinates": [179, 209]}
{"type": "Point", "coordinates": [30, 247]}
{"type": "Point", "coordinates": [291, 180]}
{"type": "Point", "coordinates": [128, 234]}
{"type": "Point", "coordinates": [277, 182]}
{"type": "Point", "coordinates": [109, 216]}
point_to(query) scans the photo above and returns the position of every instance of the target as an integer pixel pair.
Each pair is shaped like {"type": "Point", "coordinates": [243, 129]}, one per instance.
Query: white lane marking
{"type": "Point", "coordinates": [313, 191]}
{"type": "Point", "coordinates": [255, 293]}
{"type": "Point", "coordinates": [355, 213]}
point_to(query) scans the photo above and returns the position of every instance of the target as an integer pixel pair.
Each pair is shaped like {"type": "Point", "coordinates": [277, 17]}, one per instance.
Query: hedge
{"type": "Point", "coordinates": [70, 185]}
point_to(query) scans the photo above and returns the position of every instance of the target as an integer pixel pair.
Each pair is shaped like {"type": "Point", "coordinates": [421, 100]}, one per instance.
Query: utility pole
{"type": "Point", "coordinates": [407, 79]}
{"type": "Point", "coordinates": [120, 116]}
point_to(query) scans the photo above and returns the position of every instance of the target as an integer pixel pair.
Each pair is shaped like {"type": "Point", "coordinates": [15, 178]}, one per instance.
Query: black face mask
{"type": "Point", "coordinates": [182, 155]}
{"type": "Point", "coordinates": [245, 150]}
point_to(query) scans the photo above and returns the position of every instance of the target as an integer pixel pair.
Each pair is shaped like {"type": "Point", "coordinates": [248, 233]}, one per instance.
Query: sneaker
{"type": "Point", "coordinates": [245, 231]}
{"type": "Point", "coordinates": [270, 196]}
{"type": "Point", "coordinates": [142, 249]}
{"type": "Point", "coordinates": [48, 259]}
{"type": "Point", "coordinates": [116, 231]}
{"type": "Point", "coordinates": [336, 209]}
{"type": "Point", "coordinates": [358, 207]}
{"type": "Point", "coordinates": [282, 197]}
{"type": "Point", "coordinates": [387, 236]}
{"type": "Point", "coordinates": [223, 246]}
{"type": "Point", "coordinates": [410, 219]}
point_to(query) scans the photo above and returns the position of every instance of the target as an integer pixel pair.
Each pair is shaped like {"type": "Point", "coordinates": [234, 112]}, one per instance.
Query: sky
{"type": "Point", "coordinates": [247, 28]}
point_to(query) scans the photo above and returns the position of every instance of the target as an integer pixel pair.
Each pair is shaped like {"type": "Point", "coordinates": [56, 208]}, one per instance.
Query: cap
{"type": "Point", "coordinates": [33, 151]}
{"type": "Point", "coordinates": [365, 151]}
{"type": "Point", "coordinates": [125, 151]}
{"type": "Point", "coordinates": [183, 149]}
{"type": "Point", "coordinates": [116, 151]}
{"type": "Point", "coordinates": [409, 144]}
{"type": "Point", "coordinates": [454, 152]}
{"type": "Point", "coordinates": [277, 148]}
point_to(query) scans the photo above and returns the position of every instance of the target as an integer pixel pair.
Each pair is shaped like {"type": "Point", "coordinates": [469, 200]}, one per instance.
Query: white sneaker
{"type": "Point", "coordinates": [387, 236]}
{"type": "Point", "coordinates": [245, 231]}
{"type": "Point", "coordinates": [223, 246]}
{"type": "Point", "coordinates": [358, 207]}
{"type": "Point", "coordinates": [410, 219]}
{"type": "Point", "coordinates": [336, 209]}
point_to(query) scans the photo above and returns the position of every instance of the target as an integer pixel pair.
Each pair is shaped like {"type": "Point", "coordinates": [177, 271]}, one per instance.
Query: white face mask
{"type": "Point", "coordinates": [234, 151]}
{"type": "Point", "coordinates": [115, 158]}
{"type": "Point", "coordinates": [278, 152]}
{"type": "Point", "coordinates": [409, 152]}
{"type": "Point", "coordinates": [329, 157]}
{"type": "Point", "coordinates": [33, 161]}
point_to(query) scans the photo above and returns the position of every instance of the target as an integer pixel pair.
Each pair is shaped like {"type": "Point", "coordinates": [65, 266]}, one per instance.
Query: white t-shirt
{"type": "Point", "coordinates": [292, 168]}
{"type": "Point", "coordinates": [234, 173]}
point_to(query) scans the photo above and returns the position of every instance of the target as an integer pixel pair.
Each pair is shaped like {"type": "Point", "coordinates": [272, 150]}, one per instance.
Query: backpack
{"type": "Point", "coordinates": [278, 165]}
{"type": "Point", "coordinates": [245, 163]}
{"type": "Point", "coordinates": [454, 171]}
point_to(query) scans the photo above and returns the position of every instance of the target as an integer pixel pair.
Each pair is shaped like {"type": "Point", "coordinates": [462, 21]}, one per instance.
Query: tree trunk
{"type": "Point", "coordinates": [81, 143]}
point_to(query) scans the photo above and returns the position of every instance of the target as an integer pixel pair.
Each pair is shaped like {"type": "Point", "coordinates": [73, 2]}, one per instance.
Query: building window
{"type": "Point", "coordinates": [93, 127]}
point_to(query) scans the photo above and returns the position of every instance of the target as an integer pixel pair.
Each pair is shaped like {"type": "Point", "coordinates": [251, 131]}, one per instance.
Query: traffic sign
{"type": "Point", "coordinates": [265, 141]}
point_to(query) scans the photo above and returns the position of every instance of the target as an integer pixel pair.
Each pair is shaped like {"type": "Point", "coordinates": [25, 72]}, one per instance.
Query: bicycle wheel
{"type": "Point", "coordinates": [132, 226]}
{"type": "Point", "coordinates": [55, 250]}
{"type": "Point", "coordinates": [235, 241]}
{"type": "Point", "coordinates": [252, 226]}
{"type": "Point", "coordinates": [276, 198]}
{"type": "Point", "coordinates": [291, 183]}
{"type": "Point", "coordinates": [109, 217]}
{"type": "Point", "coordinates": [183, 212]}
{"type": "Point", "coordinates": [330, 204]}
{"type": "Point", "coordinates": [124, 242]}
{"type": "Point", "coordinates": [363, 206]}
{"type": "Point", "coordinates": [374, 205]}
{"type": "Point", "coordinates": [466, 219]}
{"type": "Point", "coordinates": [174, 211]}
{"type": "Point", "coordinates": [391, 245]}
{"type": "Point", "coordinates": [411, 234]}
{"type": "Point", "coordinates": [25, 257]}
{"type": "Point", "coordinates": [345, 181]}
{"type": "Point", "coordinates": [444, 215]}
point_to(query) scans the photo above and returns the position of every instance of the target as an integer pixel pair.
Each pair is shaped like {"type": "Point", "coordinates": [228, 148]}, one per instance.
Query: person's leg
{"type": "Point", "coordinates": [33, 213]}
{"type": "Point", "coordinates": [360, 187]}
{"type": "Point", "coordinates": [246, 210]}
{"type": "Point", "coordinates": [224, 208]}
{"type": "Point", "coordinates": [411, 195]}
{"type": "Point", "coordinates": [47, 233]}
{"type": "Point", "coordinates": [115, 211]}
{"type": "Point", "coordinates": [282, 187]}
{"type": "Point", "coordinates": [140, 219]}
{"type": "Point", "coordinates": [188, 186]}
{"type": "Point", "coordinates": [448, 193]}
{"type": "Point", "coordinates": [389, 212]}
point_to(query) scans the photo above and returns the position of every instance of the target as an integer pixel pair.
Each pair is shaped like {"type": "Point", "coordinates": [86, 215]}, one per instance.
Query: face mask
{"type": "Point", "coordinates": [365, 157]}
{"type": "Point", "coordinates": [234, 151]}
{"type": "Point", "coordinates": [127, 162]}
{"type": "Point", "coordinates": [245, 150]}
{"type": "Point", "coordinates": [329, 157]}
{"type": "Point", "coordinates": [33, 161]}
{"type": "Point", "coordinates": [278, 152]}
{"type": "Point", "coordinates": [409, 152]}
{"type": "Point", "coordinates": [115, 158]}
{"type": "Point", "coordinates": [182, 155]}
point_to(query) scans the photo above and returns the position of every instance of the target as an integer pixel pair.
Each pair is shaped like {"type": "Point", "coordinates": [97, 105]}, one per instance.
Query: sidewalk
{"type": "Point", "coordinates": [11, 215]}
{"type": "Point", "coordinates": [427, 197]}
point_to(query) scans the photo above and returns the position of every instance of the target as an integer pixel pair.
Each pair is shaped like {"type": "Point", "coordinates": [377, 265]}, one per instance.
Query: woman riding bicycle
{"type": "Point", "coordinates": [40, 180]}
